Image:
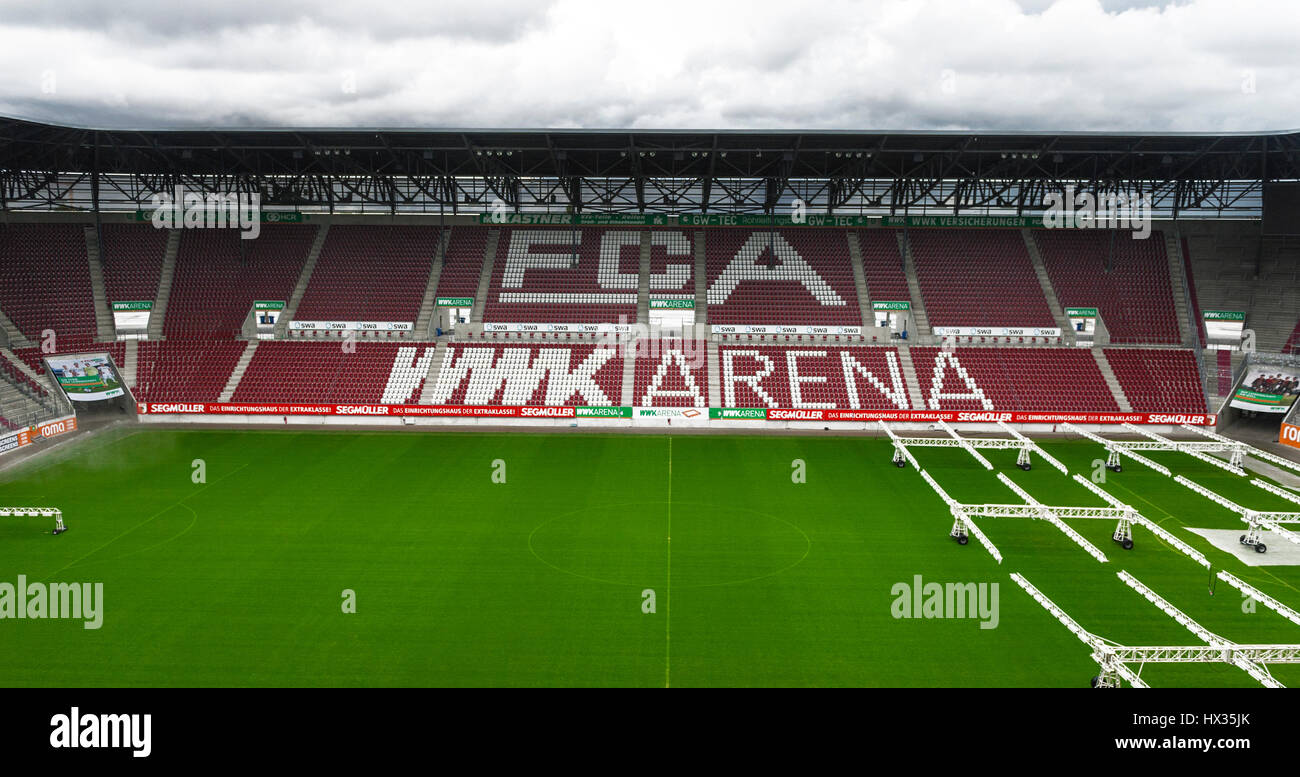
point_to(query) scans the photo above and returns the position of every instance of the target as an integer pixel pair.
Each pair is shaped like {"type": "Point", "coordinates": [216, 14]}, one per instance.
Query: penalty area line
{"type": "Point", "coordinates": [178, 503]}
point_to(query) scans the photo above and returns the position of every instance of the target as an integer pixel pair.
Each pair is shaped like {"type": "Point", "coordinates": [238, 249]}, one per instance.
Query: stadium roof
{"type": "Point", "coordinates": [642, 170]}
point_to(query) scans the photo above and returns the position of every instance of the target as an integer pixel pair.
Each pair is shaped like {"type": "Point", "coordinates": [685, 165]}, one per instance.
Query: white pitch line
{"type": "Point", "coordinates": [668, 598]}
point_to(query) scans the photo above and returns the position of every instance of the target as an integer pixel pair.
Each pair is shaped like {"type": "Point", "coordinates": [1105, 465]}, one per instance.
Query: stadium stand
{"type": "Point", "coordinates": [184, 370]}
{"type": "Point", "coordinates": [22, 379]}
{"type": "Point", "coordinates": [1238, 270]}
{"type": "Point", "coordinates": [219, 276]}
{"type": "Point", "coordinates": [370, 273]}
{"type": "Point", "coordinates": [672, 263]}
{"type": "Point", "coordinates": [1293, 342]}
{"type": "Point", "coordinates": [793, 276]}
{"type": "Point", "coordinates": [813, 376]}
{"type": "Point", "coordinates": [882, 265]}
{"type": "Point", "coordinates": [317, 372]}
{"type": "Point", "coordinates": [1029, 379]}
{"type": "Point", "coordinates": [784, 277]}
{"type": "Point", "coordinates": [1158, 380]}
{"type": "Point", "coordinates": [132, 258]}
{"type": "Point", "coordinates": [529, 375]}
{"type": "Point", "coordinates": [978, 278]}
{"type": "Point", "coordinates": [1191, 288]}
{"type": "Point", "coordinates": [559, 276]}
{"type": "Point", "coordinates": [1134, 297]}
{"type": "Point", "coordinates": [670, 373]}
{"type": "Point", "coordinates": [45, 284]}
{"type": "Point", "coordinates": [463, 263]}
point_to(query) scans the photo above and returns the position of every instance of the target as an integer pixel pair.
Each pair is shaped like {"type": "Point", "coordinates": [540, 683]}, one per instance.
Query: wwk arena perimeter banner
{"type": "Point", "coordinates": [716, 413]}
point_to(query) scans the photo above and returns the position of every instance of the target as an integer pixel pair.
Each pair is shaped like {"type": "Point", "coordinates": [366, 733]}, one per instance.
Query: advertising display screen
{"type": "Point", "coordinates": [1267, 389]}
{"type": "Point", "coordinates": [86, 377]}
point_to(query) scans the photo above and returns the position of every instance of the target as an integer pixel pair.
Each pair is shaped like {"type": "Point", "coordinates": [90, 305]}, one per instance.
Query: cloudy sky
{"type": "Point", "coordinates": [1186, 65]}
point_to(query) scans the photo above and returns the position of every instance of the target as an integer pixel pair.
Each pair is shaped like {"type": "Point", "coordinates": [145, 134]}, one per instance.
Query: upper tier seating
{"type": "Point", "coordinates": [671, 373]}
{"type": "Point", "coordinates": [370, 273]}
{"type": "Point", "coordinates": [464, 262]}
{"type": "Point", "coordinates": [812, 376]}
{"type": "Point", "coordinates": [978, 278]}
{"type": "Point", "coordinates": [882, 265]}
{"type": "Point", "coordinates": [1158, 381]}
{"type": "Point", "coordinates": [1134, 298]}
{"type": "Point", "coordinates": [529, 375]}
{"type": "Point", "coordinates": [45, 282]}
{"type": "Point", "coordinates": [1027, 379]}
{"type": "Point", "coordinates": [132, 258]}
{"type": "Point", "coordinates": [672, 263]}
{"type": "Point", "coordinates": [797, 276]}
{"type": "Point", "coordinates": [219, 277]}
{"type": "Point", "coordinates": [558, 276]}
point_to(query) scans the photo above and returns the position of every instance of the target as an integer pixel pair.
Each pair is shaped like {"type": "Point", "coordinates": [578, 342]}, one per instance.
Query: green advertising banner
{"type": "Point", "coordinates": [760, 220]}
{"type": "Point", "coordinates": [603, 412]}
{"type": "Point", "coordinates": [1018, 222]}
{"type": "Point", "coordinates": [1224, 315]}
{"type": "Point", "coordinates": [574, 219]}
{"type": "Point", "coordinates": [672, 304]}
{"type": "Point", "coordinates": [891, 306]}
{"type": "Point", "coordinates": [268, 305]}
{"type": "Point", "coordinates": [1080, 312]}
{"type": "Point", "coordinates": [455, 302]}
{"type": "Point", "coordinates": [137, 305]}
{"type": "Point", "coordinates": [749, 413]}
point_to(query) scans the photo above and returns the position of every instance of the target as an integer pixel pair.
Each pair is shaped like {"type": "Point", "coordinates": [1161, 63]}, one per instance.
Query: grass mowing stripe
{"type": "Point", "coordinates": [668, 599]}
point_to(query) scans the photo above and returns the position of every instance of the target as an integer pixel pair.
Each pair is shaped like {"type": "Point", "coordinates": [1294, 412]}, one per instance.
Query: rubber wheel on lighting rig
{"type": "Point", "coordinates": [962, 539]}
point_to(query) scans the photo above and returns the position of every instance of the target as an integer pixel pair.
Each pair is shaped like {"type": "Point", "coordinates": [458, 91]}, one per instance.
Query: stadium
{"type": "Point", "coordinates": [405, 407]}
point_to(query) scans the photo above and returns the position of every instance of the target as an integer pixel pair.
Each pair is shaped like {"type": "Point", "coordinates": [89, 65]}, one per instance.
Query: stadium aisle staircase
{"type": "Point", "coordinates": [304, 278]}
{"type": "Point", "coordinates": [237, 374]}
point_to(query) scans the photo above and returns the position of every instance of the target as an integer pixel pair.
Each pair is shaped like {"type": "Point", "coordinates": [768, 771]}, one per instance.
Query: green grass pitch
{"type": "Point", "coordinates": [539, 580]}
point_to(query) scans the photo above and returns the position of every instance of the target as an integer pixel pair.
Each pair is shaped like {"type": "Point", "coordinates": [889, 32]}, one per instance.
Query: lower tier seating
{"type": "Point", "coordinates": [1158, 381]}
{"type": "Point", "coordinates": [1031, 379]}
{"type": "Point", "coordinates": [318, 372]}
{"type": "Point", "coordinates": [671, 373]}
{"type": "Point", "coordinates": [529, 375]}
{"type": "Point", "coordinates": [815, 376]}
